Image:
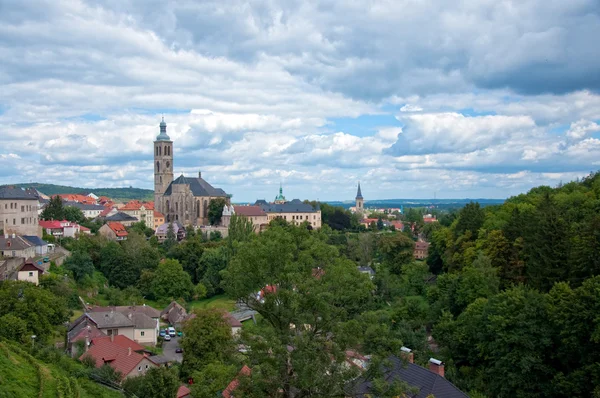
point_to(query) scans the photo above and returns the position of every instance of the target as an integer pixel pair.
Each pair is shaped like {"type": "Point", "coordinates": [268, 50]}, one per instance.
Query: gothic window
{"type": "Point", "coordinates": [169, 151]}
{"type": "Point", "coordinates": [197, 209]}
{"type": "Point", "coordinates": [168, 165]}
{"type": "Point", "coordinates": [158, 167]}
{"type": "Point", "coordinates": [168, 209]}
{"type": "Point", "coordinates": [160, 180]}
{"type": "Point", "coordinates": [156, 151]}
{"type": "Point", "coordinates": [176, 207]}
{"type": "Point", "coordinates": [205, 209]}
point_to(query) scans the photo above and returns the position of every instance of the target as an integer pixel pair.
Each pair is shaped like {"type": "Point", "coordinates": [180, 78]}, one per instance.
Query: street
{"type": "Point", "coordinates": [169, 350]}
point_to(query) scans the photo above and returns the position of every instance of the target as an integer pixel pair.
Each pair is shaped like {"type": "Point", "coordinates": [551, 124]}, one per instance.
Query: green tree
{"type": "Point", "coordinates": [396, 250]}
{"type": "Point", "coordinates": [157, 382]}
{"type": "Point", "coordinates": [13, 328]}
{"type": "Point", "coordinates": [73, 214]}
{"type": "Point", "coordinates": [215, 210]}
{"type": "Point", "coordinates": [54, 210]}
{"type": "Point", "coordinates": [171, 239]}
{"type": "Point", "coordinates": [207, 339]}
{"type": "Point", "coordinates": [80, 264]}
{"type": "Point", "coordinates": [212, 262]}
{"type": "Point", "coordinates": [240, 229]}
{"type": "Point", "coordinates": [212, 379]}
{"type": "Point", "coordinates": [170, 281]}
{"type": "Point", "coordinates": [470, 218]}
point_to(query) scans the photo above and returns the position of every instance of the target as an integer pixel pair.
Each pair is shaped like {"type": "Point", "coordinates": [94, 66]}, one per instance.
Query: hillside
{"type": "Point", "coordinates": [119, 194]}
{"type": "Point", "coordinates": [437, 203]}
{"type": "Point", "coordinates": [22, 375]}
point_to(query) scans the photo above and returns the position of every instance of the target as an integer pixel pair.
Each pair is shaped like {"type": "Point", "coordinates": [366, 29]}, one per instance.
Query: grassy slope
{"type": "Point", "coordinates": [121, 194]}
{"type": "Point", "coordinates": [220, 301]}
{"type": "Point", "coordinates": [21, 375]}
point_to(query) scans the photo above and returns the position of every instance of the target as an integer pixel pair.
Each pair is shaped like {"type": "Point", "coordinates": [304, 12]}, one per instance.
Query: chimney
{"type": "Point", "coordinates": [199, 174]}
{"type": "Point", "coordinates": [407, 354]}
{"type": "Point", "coordinates": [436, 366]}
{"type": "Point", "coordinates": [129, 315]}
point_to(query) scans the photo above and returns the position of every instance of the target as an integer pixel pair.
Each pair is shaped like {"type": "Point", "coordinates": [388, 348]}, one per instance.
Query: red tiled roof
{"type": "Point", "coordinates": [117, 228]}
{"type": "Point", "coordinates": [421, 245]}
{"type": "Point", "coordinates": [158, 215]}
{"type": "Point", "coordinates": [82, 228]}
{"type": "Point", "coordinates": [121, 341]}
{"type": "Point", "coordinates": [183, 391]}
{"type": "Point", "coordinates": [105, 212]}
{"type": "Point", "coordinates": [52, 224]}
{"type": "Point", "coordinates": [249, 211]}
{"type": "Point", "coordinates": [369, 220]}
{"type": "Point", "coordinates": [93, 333]}
{"type": "Point", "coordinates": [120, 358]}
{"type": "Point", "coordinates": [228, 392]}
{"type": "Point", "coordinates": [137, 205]}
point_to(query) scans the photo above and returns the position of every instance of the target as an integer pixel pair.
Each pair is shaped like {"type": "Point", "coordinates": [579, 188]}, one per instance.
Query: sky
{"type": "Point", "coordinates": [413, 98]}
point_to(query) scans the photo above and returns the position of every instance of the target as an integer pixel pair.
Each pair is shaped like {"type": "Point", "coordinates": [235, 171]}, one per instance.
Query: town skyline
{"type": "Point", "coordinates": [408, 103]}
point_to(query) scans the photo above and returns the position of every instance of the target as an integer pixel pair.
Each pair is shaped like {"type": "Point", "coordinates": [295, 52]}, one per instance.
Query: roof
{"type": "Point", "coordinates": [16, 243]}
{"type": "Point", "coordinates": [421, 245]}
{"type": "Point", "coordinates": [10, 192]}
{"type": "Point", "coordinates": [164, 228]}
{"type": "Point", "coordinates": [234, 323]}
{"type": "Point", "coordinates": [144, 309]}
{"type": "Point", "coordinates": [120, 216]}
{"type": "Point", "coordinates": [295, 206]}
{"type": "Point", "coordinates": [159, 359]}
{"type": "Point", "coordinates": [198, 186]}
{"type": "Point", "coordinates": [158, 215]}
{"type": "Point", "coordinates": [84, 206]}
{"type": "Point", "coordinates": [84, 329]}
{"type": "Point", "coordinates": [369, 270]}
{"type": "Point", "coordinates": [109, 319]}
{"type": "Point", "coordinates": [137, 205]}
{"type": "Point", "coordinates": [163, 132]}
{"type": "Point", "coordinates": [358, 193]}
{"type": "Point", "coordinates": [120, 340]}
{"type": "Point", "coordinates": [249, 211]}
{"type": "Point", "coordinates": [142, 321]}
{"type": "Point", "coordinates": [29, 266]}
{"type": "Point", "coordinates": [117, 228]}
{"type": "Point", "coordinates": [228, 392]}
{"type": "Point", "coordinates": [76, 198]}
{"type": "Point", "coordinates": [105, 212]}
{"type": "Point", "coordinates": [35, 240]}
{"type": "Point", "coordinates": [426, 381]}
{"type": "Point", "coordinates": [120, 358]}
{"type": "Point", "coordinates": [174, 313]}
{"type": "Point", "coordinates": [183, 391]}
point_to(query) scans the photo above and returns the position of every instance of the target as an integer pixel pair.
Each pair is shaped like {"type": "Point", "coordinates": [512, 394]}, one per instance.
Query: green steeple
{"type": "Point", "coordinates": [163, 131]}
{"type": "Point", "coordinates": [280, 197]}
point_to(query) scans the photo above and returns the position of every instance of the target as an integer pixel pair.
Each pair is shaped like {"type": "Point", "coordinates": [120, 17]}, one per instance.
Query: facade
{"type": "Point", "coordinates": [41, 246]}
{"type": "Point", "coordinates": [260, 219]}
{"type": "Point", "coordinates": [185, 199]}
{"type": "Point", "coordinates": [89, 210]}
{"type": "Point", "coordinates": [143, 211]}
{"type": "Point", "coordinates": [16, 246]}
{"type": "Point", "coordinates": [421, 250]}
{"type": "Point", "coordinates": [19, 211]}
{"type": "Point", "coordinates": [294, 212]}
{"type": "Point", "coordinates": [30, 272]}
{"type": "Point", "coordinates": [113, 231]}
{"type": "Point", "coordinates": [123, 218]}
{"type": "Point", "coordinates": [159, 219]}
{"type": "Point", "coordinates": [162, 231]}
{"type": "Point", "coordinates": [64, 228]}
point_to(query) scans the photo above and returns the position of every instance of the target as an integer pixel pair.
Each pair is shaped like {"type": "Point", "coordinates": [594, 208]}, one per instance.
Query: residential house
{"type": "Point", "coordinates": [258, 217]}
{"type": "Point", "coordinates": [178, 229]}
{"type": "Point", "coordinates": [146, 321]}
{"type": "Point", "coordinates": [174, 314]}
{"type": "Point", "coordinates": [229, 391]}
{"type": "Point", "coordinates": [89, 210]}
{"type": "Point", "coordinates": [19, 211]}
{"type": "Point", "coordinates": [122, 218]}
{"type": "Point", "coordinates": [367, 270]}
{"type": "Point", "coordinates": [120, 353]}
{"type": "Point", "coordinates": [107, 212]}
{"type": "Point", "coordinates": [428, 219]}
{"type": "Point", "coordinates": [16, 246]}
{"type": "Point", "coordinates": [69, 197]}
{"type": "Point", "coordinates": [142, 211]}
{"type": "Point", "coordinates": [114, 231]}
{"type": "Point", "coordinates": [41, 246]}
{"type": "Point", "coordinates": [64, 228]}
{"type": "Point", "coordinates": [428, 382]}
{"type": "Point", "coordinates": [108, 322]}
{"type": "Point", "coordinates": [159, 219]}
{"type": "Point", "coordinates": [183, 392]}
{"type": "Point", "coordinates": [295, 212]}
{"type": "Point", "coordinates": [30, 272]}
{"type": "Point", "coordinates": [421, 250]}
{"type": "Point", "coordinates": [367, 221]}
{"type": "Point", "coordinates": [236, 326]}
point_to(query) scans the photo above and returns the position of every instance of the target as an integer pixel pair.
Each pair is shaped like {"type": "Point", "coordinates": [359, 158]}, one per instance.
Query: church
{"type": "Point", "coordinates": [185, 199]}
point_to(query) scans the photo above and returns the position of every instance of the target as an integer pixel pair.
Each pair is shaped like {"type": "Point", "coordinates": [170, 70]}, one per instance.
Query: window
{"type": "Point", "coordinates": [31, 273]}
{"type": "Point", "coordinates": [22, 220]}
{"type": "Point", "coordinates": [14, 221]}
{"type": "Point", "coordinates": [14, 253]}
{"type": "Point", "coordinates": [158, 167]}
{"type": "Point", "coordinates": [139, 368]}
{"type": "Point", "coordinates": [22, 208]}
{"type": "Point", "coordinates": [146, 366]}
{"type": "Point", "coordinates": [142, 334]}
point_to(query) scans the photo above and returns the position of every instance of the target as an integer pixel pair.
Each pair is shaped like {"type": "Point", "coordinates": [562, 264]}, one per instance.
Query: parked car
{"type": "Point", "coordinates": [172, 331]}
{"type": "Point", "coordinates": [179, 350]}
{"type": "Point", "coordinates": [167, 337]}
{"type": "Point", "coordinates": [46, 259]}
{"type": "Point", "coordinates": [180, 333]}
{"type": "Point", "coordinates": [162, 333]}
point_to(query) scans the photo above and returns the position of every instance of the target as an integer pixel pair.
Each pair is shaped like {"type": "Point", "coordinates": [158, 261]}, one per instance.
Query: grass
{"type": "Point", "coordinates": [76, 314]}
{"type": "Point", "coordinates": [221, 302]}
{"type": "Point", "coordinates": [22, 375]}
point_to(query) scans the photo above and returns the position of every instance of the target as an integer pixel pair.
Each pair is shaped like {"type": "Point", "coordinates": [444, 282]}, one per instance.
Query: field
{"type": "Point", "coordinates": [220, 301]}
{"type": "Point", "coordinates": [22, 375]}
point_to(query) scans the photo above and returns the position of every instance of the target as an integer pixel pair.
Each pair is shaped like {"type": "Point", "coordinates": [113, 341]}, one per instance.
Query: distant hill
{"type": "Point", "coordinates": [437, 203]}
{"type": "Point", "coordinates": [119, 194]}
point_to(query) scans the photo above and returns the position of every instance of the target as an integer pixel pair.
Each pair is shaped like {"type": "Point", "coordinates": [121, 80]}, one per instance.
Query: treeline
{"type": "Point", "coordinates": [517, 294]}
{"type": "Point", "coordinates": [119, 194]}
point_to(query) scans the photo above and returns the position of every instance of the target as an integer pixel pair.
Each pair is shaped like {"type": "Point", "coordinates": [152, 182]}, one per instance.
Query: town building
{"type": "Point", "coordinates": [19, 211]}
{"type": "Point", "coordinates": [162, 231]}
{"type": "Point", "coordinates": [428, 218]}
{"type": "Point", "coordinates": [295, 212]}
{"type": "Point", "coordinates": [113, 231]}
{"type": "Point", "coordinates": [120, 353]}
{"type": "Point", "coordinates": [255, 214]}
{"type": "Point", "coordinates": [421, 250]}
{"type": "Point", "coordinates": [30, 272]}
{"type": "Point", "coordinates": [89, 210]}
{"type": "Point", "coordinates": [63, 229]}
{"type": "Point", "coordinates": [185, 199]}
{"type": "Point", "coordinates": [41, 246]}
{"type": "Point", "coordinates": [159, 219]}
{"type": "Point", "coordinates": [146, 320]}
{"type": "Point", "coordinates": [360, 202]}
{"type": "Point", "coordinates": [142, 211]}
{"type": "Point", "coordinates": [12, 245]}
{"type": "Point", "coordinates": [123, 218]}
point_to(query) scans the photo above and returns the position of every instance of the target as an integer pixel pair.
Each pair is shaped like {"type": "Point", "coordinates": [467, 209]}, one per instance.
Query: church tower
{"type": "Point", "coordinates": [360, 203]}
{"type": "Point", "coordinates": [163, 166]}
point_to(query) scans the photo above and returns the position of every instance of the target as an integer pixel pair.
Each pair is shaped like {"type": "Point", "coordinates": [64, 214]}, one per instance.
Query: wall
{"type": "Point", "coordinates": [145, 364]}
{"type": "Point", "coordinates": [313, 218]}
{"type": "Point", "coordinates": [22, 218]}
{"type": "Point", "coordinates": [24, 276]}
{"type": "Point", "coordinates": [149, 337]}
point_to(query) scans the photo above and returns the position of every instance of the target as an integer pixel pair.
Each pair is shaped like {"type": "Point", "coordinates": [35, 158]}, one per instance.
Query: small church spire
{"type": "Point", "coordinates": [358, 193]}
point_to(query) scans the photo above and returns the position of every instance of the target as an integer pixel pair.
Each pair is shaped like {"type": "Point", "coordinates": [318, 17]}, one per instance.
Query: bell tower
{"type": "Point", "coordinates": [360, 203]}
{"type": "Point", "coordinates": [163, 165]}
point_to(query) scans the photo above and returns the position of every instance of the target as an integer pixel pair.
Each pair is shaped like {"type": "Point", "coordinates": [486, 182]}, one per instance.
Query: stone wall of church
{"type": "Point", "coordinates": [184, 207]}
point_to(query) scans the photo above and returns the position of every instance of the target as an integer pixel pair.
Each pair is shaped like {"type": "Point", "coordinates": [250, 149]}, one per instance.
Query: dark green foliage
{"type": "Point", "coordinates": [157, 382]}
{"type": "Point", "coordinates": [73, 214]}
{"type": "Point", "coordinates": [80, 264]}
{"type": "Point", "coordinates": [470, 218]}
{"type": "Point", "coordinates": [54, 210]}
{"type": "Point", "coordinates": [215, 210]}
{"type": "Point", "coordinates": [171, 239]}
{"type": "Point", "coordinates": [396, 250]}
{"type": "Point", "coordinates": [118, 194]}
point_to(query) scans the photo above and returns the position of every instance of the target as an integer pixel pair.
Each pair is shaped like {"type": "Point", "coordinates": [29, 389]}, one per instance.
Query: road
{"type": "Point", "coordinates": [169, 350]}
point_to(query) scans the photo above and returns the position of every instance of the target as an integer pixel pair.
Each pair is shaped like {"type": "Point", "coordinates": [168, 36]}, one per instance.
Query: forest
{"type": "Point", "coordinates": [508, 298]}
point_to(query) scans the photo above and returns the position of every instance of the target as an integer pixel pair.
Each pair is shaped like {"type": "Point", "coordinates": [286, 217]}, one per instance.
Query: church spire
{"type": "Point", "coordinates": [163, 131]}
{"type": "Point", "coordinates": [358, 193]}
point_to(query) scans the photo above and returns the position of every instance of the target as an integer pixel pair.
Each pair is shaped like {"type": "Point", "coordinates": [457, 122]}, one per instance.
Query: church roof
{"type": "Point", "coordinates": [295, 206]}
{"type": "Point", "coordinates": [198, 186]}
{"type": "Point", "coordinates": [358, 193]}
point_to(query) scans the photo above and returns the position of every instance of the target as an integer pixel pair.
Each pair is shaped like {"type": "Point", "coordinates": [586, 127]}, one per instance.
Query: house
{"type": "Point", "coordinates": [143, 211]}
{"type": "Point", "coordinates": [367, 270]}
{"type": "Point", "coordinates": [77, 198]}
{"type": "Point", "coordinates": [19, 211]}
{"type": "Point", "coordinates": [113, 231]}
{"type": "Point", "coordinates": [228, 392]}
{"type": "Point", "coordinates": [30, 272]}
{"type": "Point", "coordinates": [183, 392]}
{"type": "Point", "coordinates": [85, 330]}
{"type": "Point", "coordinates": [64, 228]}
{"type": "Point", "coordinates": [146, 321]}
{"type": "Point", "coordinates": [16, 246]}
{"type": "Point", "coordinates": [428, 219]}
{"type": "Point", "coordinates": [421, 250]}
{"type": "Point", "coordinates": [255, 214]}
{"type": "Point", "coordinates": [178, 229]}
{"type": "Point", "coordinates": [295, 212]}
{"type": "Point", "coordinates": [108, 211]}
{"type": "Point", "coordinates": [41, 246]}
{"type": "Point", "coordinates": [367, 221]}
{"type": "Point", "coordinates": [159, 219]}
{"type": "Point", "coordinates": [122, 218]}
{"type": "Point", "coordinates": [89, 210]}
{"type": "Point", "coordinates": [174, 314]}
{"type": "Point", "coordinates": [120, 353]}
{"type": "Point", "coordinates": [108, 322]}
{"type": "Point", "coordinates": [428, 382]}
{"type": "Point", "coordinates": [236, 326]}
